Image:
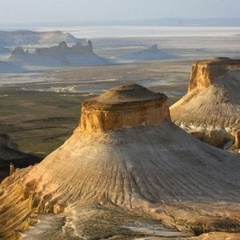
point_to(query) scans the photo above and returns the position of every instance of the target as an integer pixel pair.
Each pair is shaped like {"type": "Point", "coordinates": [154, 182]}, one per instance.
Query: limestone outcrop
{"type": "Point", "coordinates": [57, 56]}
{"type": "Point", "coordinates": [124, 106]}
{"type": "Point", "coordinates": [106, 180]}
{"type": "Point", "coordinates": [211, 109]}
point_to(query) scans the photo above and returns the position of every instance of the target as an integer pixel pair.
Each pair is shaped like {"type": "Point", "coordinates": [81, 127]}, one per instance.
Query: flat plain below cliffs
{"type": "Point", "coordinates": [210, 110]}
{"type": "Point", "coordinates": [127, 172]}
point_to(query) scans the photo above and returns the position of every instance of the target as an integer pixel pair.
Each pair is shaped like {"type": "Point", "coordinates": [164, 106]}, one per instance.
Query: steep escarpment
{"type": "Point", "coordinates": [151, 53]}
{"type": "Point", "coordinates": [120, 175]}
{"type": "Point", "coordinates": [60, 55]}
{"type": "Point", "coordinates": [211, 108]}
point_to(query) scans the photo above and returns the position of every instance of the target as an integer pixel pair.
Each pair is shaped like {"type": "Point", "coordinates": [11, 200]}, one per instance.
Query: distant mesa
{"type": "Point", "coordinates": [57, 56]}
{"type": "Point", "coordinates": [52, 49]}
{"type": "Point", "coordinates": [125, 164]}
{"type": "Point", "coordinates": [61, 48]}
{"type": "Point", "coordinates": [24, 38]}
{"type": "Point", "coordinates": [152, 53]}
{"type": "Point", "coordinates": [211, 109]}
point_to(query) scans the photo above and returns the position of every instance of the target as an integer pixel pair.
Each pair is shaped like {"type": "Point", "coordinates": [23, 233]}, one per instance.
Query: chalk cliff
{"type": "Point", "coordinates": [211, 108]}
{"type": "Point", "coordinates": [57, 56]}
{"type": "Point", "coordinates": [151, 53]}
{"type": "Point", "coordinates": [138, 169]}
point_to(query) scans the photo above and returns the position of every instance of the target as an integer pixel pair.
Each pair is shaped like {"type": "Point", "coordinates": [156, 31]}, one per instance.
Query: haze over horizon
{"type": "Point", "coordinates": [55, 11]}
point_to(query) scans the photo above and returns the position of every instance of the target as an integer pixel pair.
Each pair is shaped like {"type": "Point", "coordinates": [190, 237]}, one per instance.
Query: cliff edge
{"type": "Point", "coordinates": [211, 108]}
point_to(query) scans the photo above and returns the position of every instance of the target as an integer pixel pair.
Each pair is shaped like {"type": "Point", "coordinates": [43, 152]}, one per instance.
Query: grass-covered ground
{"type": "Point", "coordinates": [38, 121]}
{"type": "Point", "coordinates": [42, 113]}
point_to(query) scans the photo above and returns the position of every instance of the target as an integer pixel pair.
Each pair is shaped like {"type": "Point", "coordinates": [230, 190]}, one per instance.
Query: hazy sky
{"type": "Point", "coordinates": [40, 11]}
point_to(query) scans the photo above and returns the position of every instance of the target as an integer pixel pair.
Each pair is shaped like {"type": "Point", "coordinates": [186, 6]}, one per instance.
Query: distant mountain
{"type": "Point", "coordinates": [152, 53]}
{"type": "Point", "coordinates": [210, 110]}
{"type": "Point", "coordinates": [58, 56]}
{"type": "Point", "coordinates": [31, 38]}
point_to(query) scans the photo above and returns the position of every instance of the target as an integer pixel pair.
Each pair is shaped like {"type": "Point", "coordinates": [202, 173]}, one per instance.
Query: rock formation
{"type": "Point", "coordinates": [136, 175]}
{"type": "Point", "coordinates": [63, 48]}
{"type": "Point", "coordinates": [60, 55]}
{"type": "Point", "coordinates": [11, 157]}
{"type": "Point", "coordinates": [211, 109]}
{"type": "Point", "coordinates": [152, 53]}
{"type": "Point", "coordinates": [123, 106]}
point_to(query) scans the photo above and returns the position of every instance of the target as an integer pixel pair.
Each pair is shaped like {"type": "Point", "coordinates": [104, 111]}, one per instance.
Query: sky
{"type": "Point", "coordinates": [51, 11]}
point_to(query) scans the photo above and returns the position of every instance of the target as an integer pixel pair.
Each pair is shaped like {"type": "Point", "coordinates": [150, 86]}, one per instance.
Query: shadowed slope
{"type": "Point", "coordinates": [152, 53]}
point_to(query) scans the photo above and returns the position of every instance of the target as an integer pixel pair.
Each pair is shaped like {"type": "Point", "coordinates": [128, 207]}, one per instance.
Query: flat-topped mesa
{"type": "Point", "coordinates": [205, 72]}
{"type": "Point", "coordinates": [123, 106]}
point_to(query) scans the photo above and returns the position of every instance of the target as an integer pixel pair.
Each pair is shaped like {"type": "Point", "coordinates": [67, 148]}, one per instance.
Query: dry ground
{"type": "Point", "coordinates": [40, 116]}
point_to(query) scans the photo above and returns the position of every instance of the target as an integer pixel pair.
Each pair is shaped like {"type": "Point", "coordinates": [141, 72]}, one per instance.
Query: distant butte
{"type": "Point", "coordinates": [210, 110]}
{"type": "Point", "coordinates": [151, 53]}
{"type": "Point", "coordinates": [126, 172]}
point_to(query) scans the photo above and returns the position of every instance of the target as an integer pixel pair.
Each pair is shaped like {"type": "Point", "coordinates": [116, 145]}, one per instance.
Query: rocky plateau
{"type": "Point", "coordinates": [210, 110]}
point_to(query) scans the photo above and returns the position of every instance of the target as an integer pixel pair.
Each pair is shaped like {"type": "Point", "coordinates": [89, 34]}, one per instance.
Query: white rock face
{"type": "Point", "coordinates": [60, 55]}
{"type": "Point", "coordinates": [211, 108]}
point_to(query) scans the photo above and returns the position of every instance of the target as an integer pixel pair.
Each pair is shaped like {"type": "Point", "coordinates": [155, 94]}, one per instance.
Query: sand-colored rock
{"type": "Point", "coordinates": [124, 106]}
{"type": "Point", "coordinates": [205, 72]}
{"type": "Point", "coordinates": [212, 104]}
{"type": "Point", "coordinates": [125, 182]}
